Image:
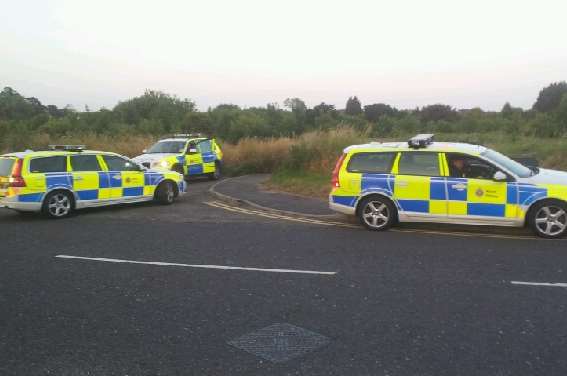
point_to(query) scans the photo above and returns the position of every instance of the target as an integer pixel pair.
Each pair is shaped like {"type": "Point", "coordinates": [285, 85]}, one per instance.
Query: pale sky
{"type": "Point", "coordinates": [252, 52]}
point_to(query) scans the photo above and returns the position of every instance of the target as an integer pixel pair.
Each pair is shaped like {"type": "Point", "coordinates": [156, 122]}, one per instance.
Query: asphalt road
{"type": "Point", "coordinates": [399, 303]}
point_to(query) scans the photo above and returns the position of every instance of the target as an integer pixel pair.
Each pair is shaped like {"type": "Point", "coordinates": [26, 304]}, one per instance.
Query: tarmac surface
{"type": "Point", "coordinates": [204, 287]}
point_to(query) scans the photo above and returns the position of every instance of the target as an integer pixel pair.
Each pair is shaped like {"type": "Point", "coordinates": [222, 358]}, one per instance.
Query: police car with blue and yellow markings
{"type": "Point", "coordinates": [188, 154]}
{"type": "Point", "coordinates": [66, 178]}
{"type": "Point", "coordinates": [425, 181]}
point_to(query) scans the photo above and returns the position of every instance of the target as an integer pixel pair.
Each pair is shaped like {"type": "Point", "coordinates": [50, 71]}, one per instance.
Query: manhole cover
{"type": "Point", "coordinates": [280, 342]}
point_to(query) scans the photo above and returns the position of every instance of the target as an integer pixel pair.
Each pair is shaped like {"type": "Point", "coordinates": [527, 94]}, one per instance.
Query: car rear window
{"type": "Point", "coordinates": [372, 163]}
{"type": "Point", "coordinates": [6, 165]}
{"type": "Point", "coordinates": [85, 163]}
{"type": "Point", "coordinates": [48, 164]}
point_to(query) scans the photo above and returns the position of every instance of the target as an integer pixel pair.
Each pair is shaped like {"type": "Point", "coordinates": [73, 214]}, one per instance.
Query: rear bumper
{"type": "Point", "coordinates": [14, 204]}
{"type": "Point", "coordinates": [344, 209]}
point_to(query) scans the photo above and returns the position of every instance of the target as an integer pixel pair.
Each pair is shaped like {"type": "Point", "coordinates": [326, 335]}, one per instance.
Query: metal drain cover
{"type": "Point", "coordinates": [280, 342]}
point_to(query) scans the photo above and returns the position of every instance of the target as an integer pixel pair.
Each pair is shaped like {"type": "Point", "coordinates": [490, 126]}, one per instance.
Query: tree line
{"type": "Point", "coordinates": [157, 113]}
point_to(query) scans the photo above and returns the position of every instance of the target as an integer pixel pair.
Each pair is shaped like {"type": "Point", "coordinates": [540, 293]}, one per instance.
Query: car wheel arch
{"type": "Point", "coordinates": [74, 195]}
{"type": "Point", "coordinates": [534, 205]}
{"type": "Point", "coordinates": [370, 194]}
{"type": "Point", "coordinates": [172, 182]}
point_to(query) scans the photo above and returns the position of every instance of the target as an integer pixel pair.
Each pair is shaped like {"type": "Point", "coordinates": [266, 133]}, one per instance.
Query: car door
{"type": "Point", "coordinates": [474, 195]}
{"type": "Point", "coordinates": [194, 159]}
{"type": "Point", "coordinates": [126, 179]}
{"type": "Point", "coordinates": [88, 178]}
{"type": "Point", "coordinates": [208, 156]}
{"type": "Point", "coordinates": [419, 186]}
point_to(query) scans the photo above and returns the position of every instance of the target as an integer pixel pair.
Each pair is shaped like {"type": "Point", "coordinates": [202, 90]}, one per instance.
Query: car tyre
{"type": "Point", "coordinates": [377, 213]}
{"type": "Point", "coordinates": [58, 205]}
{"type": "Point", "coordinates": [548, 219]}
{"type": "Point", "coordinates": [165, 193]}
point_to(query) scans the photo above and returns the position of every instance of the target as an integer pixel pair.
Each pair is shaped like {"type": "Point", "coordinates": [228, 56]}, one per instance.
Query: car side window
{"type": "Point", "coordinates": [372, 163]}
{"type": "Point", "coordinates": [85, 163]}
{"type": "Point", "coordinates": [116, 163]}
{"type": "Point", "coordinates": [204, 147]}
{"type": "Point", "coordinates": [467, 166]}
{"type": "Point", "coordinates": [48, 164]}
{"type": "Point", "coordinates": [419, 163]}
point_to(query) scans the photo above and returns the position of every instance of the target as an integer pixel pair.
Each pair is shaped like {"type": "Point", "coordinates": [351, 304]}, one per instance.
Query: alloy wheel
{"type": "Point", "coordinates": [376, 214]}
{"type": "Point", "coordinates": [59, 205]}
{"type": "Point", "coordinates": [551, 220]}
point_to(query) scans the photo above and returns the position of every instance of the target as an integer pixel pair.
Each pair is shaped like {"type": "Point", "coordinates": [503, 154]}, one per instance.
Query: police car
{"type": "Point", "coordinates": [426, 181]}
{"type": "Point", "coordinates": [66, 177]}
{"type": "Point", "coordinates": [187, 154]}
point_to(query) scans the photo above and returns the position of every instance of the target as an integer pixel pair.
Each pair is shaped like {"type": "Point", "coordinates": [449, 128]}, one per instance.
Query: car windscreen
{"type": "Point", "coordinates": [167, 147]}
{"type": "Point", "coordinates": [507, 163]}
{"type": "Point", "coordinates": [6, 165]}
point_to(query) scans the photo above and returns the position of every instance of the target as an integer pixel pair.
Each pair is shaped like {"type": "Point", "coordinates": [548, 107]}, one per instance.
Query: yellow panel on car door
{"type": "Point", "coordinates": [485, 191]}
{"type": "Point", "coordinates": [412, 187]}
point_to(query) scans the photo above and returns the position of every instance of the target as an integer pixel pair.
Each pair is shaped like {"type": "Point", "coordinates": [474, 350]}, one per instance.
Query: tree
{"type": "Point", "coordinates": [353, 106]}
{"type": "Point", "coordinates": [324, 108]}
{"type": "Point", "coordinates": [507, 109]}
{"type": "Point", "coordinates": [436, 112]}
{"type": "Point", "coordinates": [561, 116]}
{"type": "Point", "coordinates": [373, 112]}
{"type": "Point", "coordinates": [295, 105]}
{"type": "Point", "coordinates": [550, 97]}
{"type": "Point", "coordinates": [155, 105]}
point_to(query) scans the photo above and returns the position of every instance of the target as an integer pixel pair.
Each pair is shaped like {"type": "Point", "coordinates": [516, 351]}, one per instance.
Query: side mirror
{"type": "Point", "coordinates": [500, 176]}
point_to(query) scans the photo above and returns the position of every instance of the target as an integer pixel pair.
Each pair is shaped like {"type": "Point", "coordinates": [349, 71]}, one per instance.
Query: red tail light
{"type": "Point", "coordinates": [16, 180]}
{"type": "Point", "coordinates": [335, 179]}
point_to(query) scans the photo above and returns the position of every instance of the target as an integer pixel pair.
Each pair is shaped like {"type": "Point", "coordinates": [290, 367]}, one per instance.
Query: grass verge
{"type": "Point", "coordinates": [311, 184]}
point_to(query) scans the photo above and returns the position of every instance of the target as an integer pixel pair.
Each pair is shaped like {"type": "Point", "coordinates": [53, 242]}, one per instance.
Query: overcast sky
{"type": "Point", "coordinates": [248, 52]}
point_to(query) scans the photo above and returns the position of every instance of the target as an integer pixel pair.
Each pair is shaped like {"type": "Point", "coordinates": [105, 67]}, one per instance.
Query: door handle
{"type": "Point", "coordinates": [117, 177]}
{"type": "Point", "coordinates": [402, 183]}
{"type": "Point", "coordinates": [78, 178]}
{"type": "Point", "coordinates": [459, 187]}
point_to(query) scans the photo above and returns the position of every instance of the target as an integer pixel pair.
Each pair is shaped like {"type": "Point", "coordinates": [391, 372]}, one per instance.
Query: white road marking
{"type": "Point", "coordinates": [539, 284]}
{"type": "Point", "coordinates": [221, 267]}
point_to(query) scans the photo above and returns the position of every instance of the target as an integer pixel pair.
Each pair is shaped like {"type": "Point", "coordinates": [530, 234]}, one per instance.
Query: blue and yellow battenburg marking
{"type": "Point", "coordinates": [199, 163]}
{"type": "Point", "coordinates": [90, 186]}
{"type": "Point", "coordinates": [445, 195]}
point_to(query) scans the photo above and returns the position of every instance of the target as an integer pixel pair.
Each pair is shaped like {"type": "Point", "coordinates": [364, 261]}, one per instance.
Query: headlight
{"type": "Point", "coordinates": [163, 164]}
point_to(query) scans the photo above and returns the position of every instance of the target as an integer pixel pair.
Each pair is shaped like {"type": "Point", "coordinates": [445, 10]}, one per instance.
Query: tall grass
{"type": "Point", "coordinates": [252, 155]}
{"type": "Point", "coordinates": [303, 164]}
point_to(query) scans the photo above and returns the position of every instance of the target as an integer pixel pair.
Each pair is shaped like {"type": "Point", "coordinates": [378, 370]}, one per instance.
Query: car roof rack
{"type": "Point", "coordinates": [421, 141]}
{"type": "Point", "coordinates": [67, 147]}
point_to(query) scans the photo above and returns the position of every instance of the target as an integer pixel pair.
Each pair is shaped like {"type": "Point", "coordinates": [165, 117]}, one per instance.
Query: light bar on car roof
{"type": "Point", "coordinates": [187, 135]}
{"type": "Point", "coordinates": [421, 141]}
{"type": "Point", "coordinates": [67, 147]}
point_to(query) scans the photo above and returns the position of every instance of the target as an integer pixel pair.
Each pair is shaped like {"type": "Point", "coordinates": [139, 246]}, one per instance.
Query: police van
{"type": "Point", "coordinates": [426, 181]}
{"type": "Point", "coordinates": [188, 154]}
{"type": "Point", "coordinates": [68, 177]}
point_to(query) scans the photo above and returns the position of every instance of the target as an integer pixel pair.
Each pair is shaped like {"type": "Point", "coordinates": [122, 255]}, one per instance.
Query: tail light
{"type": "Point", "coordinates": [335, 179]}
{"type": "Point", "coordinates": [16, 180]}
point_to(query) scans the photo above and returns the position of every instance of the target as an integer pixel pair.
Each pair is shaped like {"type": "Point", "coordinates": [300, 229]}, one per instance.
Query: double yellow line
{"type": "Point", "coordinates": [221, 205]}
{"type": "Point", "coordinates": [236, 209]}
